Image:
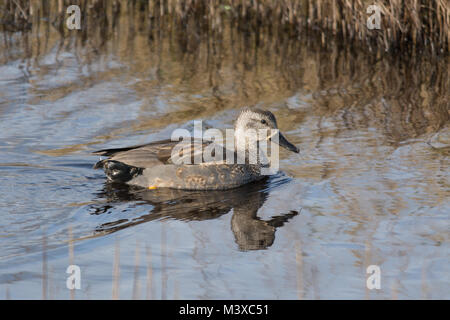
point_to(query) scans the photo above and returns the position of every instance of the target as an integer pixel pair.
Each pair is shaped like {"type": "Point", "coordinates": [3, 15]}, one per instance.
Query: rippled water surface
{"type": "Point", "coordinates": [370, 187]}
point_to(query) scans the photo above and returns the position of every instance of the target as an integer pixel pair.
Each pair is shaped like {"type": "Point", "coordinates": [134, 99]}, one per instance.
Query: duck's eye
{"type": "Point", "coordinates": [263, 121]}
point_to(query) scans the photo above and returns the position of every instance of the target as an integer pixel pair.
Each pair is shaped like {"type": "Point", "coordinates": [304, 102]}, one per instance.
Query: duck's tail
{"type": "Point", "coordinates": [117, 171]}
{"type": "Point", "coordinates": [100, 164]}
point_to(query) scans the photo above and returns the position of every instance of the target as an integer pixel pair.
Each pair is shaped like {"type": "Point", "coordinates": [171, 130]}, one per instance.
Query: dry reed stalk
{"type": "Point", "coordinates": [149, 274]}
{"type": "Point", "coordinates": [116, 271]}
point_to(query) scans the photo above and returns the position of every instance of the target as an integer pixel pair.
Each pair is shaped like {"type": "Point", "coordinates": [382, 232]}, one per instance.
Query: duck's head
{"type": "Point", "coordinates": [257, 119]}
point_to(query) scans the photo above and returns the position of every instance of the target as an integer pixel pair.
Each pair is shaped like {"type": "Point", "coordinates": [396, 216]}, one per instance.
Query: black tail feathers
{"type": "Point", "coordinates": [117, 171]}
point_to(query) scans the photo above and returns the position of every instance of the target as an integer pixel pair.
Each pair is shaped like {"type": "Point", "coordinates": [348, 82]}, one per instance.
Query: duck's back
{"type": "Point", "coordinates": [151, 166]}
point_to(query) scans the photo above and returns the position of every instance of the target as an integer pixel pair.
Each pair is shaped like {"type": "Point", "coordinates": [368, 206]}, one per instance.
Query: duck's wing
{"type": "Point", "coordinates": [155, 153]}
{"type": "Point", "coordinates": [114, 151]}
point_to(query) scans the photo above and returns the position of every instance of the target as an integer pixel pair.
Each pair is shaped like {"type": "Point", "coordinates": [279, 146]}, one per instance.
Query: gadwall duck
{"type": "Point", "coordinates": [151, 165]}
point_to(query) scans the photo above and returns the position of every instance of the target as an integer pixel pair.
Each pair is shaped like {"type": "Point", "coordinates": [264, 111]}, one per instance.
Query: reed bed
{"type": "Point", "coordinates": [406, 25]}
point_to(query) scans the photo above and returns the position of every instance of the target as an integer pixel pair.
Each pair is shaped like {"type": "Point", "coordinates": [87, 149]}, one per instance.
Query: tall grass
{"type": "Point", "coordinates": [406, 25]}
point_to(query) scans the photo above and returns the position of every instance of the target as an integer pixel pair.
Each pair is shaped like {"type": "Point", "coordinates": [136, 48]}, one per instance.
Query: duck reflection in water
{"type": "Point", "coordinates": [250, 231]}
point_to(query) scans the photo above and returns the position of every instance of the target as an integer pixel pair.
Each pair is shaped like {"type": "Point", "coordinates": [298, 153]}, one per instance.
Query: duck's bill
{"type": "Point", "coordinates": [283, 142]}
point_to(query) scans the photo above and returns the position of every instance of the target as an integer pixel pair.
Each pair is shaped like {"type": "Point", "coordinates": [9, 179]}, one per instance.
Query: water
{"type": "Point", "coordinates": [369, 188]}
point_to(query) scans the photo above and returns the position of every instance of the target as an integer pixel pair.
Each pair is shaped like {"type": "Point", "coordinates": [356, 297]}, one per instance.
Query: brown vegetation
{"type": "Point", "coordinates": [405, 25]}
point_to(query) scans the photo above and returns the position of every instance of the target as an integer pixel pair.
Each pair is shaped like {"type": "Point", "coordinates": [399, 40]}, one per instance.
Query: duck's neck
{"type": "Point", "coordinates": [248, 148]}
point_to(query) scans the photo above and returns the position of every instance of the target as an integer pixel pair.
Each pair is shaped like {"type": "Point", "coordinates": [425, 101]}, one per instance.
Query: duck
{"type": "Point", "coordinates": [152, 165]}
